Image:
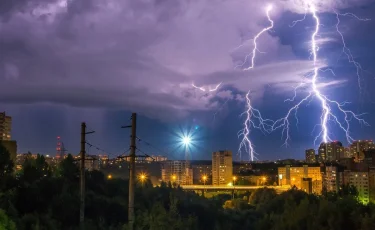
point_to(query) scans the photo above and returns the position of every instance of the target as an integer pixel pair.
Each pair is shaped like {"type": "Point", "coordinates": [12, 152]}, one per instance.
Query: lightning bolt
{"type": "Point", "coordinates": [206, 90]}
{"type": "Point", "coordinates": [345, 49]}
{"type": "Point", "coordinates": [255, 39]}
{"type": "Point", "coordinates": [326, 104]}
{"type": "Point", "coordinates": [255, 120]}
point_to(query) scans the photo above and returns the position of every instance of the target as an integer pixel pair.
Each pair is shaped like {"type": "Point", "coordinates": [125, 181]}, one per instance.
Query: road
{"type": "Point", "coordinates": [223, 187]}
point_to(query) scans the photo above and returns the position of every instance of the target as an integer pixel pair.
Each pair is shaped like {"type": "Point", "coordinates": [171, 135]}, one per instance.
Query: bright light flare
{"type": "Point", "coordinates": [142, 177]}
{"type": "Point", "coordinates": [186, 140]}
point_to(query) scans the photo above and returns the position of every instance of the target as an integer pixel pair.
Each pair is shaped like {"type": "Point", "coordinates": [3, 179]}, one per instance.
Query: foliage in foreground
{"type": "Point", "coordinates": [40, 197]}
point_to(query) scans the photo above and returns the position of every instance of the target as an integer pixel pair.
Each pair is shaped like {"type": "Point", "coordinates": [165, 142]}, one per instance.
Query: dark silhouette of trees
{"type": "Point", "coordinates": [41, 197]}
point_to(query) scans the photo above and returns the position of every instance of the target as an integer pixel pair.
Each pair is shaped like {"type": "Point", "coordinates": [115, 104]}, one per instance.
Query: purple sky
{"type": "Point", "coordinates": [82, 59]}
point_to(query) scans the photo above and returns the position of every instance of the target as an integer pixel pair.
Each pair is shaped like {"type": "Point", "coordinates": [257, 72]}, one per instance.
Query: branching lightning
{"type": "Point", "coordinates": [252, 114]}
{"type": "Point", "coordinates": [255, 39]}
{"type": "Point", "coordinates": [255, 120]}
{"type": "Point", "coordinates": [203, 89]}
{"type": "Point", "coordinates": [327, 105]}
{"type": "Point", "coordinates": [331, 110]}
{"type": "Point", "coordinates": [345, 49]}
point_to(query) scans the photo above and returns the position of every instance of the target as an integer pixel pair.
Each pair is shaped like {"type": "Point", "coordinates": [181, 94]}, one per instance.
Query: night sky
{"type": "Point", "coordinates": [62, 63]}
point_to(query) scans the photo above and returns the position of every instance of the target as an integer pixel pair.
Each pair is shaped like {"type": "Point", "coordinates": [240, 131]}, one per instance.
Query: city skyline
{"type": "Point", "coordinates": [177, 77]}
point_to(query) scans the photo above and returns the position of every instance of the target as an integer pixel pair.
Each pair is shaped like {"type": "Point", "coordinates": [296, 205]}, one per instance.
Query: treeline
{"type": "Point", "coordinates": [41, 198]}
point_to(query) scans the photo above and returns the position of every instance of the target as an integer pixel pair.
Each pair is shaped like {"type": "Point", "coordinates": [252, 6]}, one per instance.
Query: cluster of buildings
{"type": "Point", "coordinates": [326, 169]}
{"type": "Point", "coordinates": [353, 165]}
{"type": "Point", "coordinates": [335, 151]}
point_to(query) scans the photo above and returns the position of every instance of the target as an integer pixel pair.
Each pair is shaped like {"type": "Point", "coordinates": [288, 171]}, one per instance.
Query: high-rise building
{"type": "Point", "coordinates": [294, 176]}
{"type": "Point", "coordinates": [310, 156]}
{"type": "Point", "coordinates": [201, 169]}
{"type": "Point", "coordinates": [332, 179]}
{"type": "Point", "coordinates": [357, 149]}
{"type": "Point", "coordinates": [330, 151]}
{"type": "Point", "coordinates": [360, 180]}
{"type": "Point", "coordinates": [177, 172]}
{"type": "Point", "coordinates": [222, 167]}
{"type": "Point", "coordinates": [347, 153]}
{"type": "Point", "coordinates": [371, 184]}
{"type": "Point", "coordinates": [5, 127]}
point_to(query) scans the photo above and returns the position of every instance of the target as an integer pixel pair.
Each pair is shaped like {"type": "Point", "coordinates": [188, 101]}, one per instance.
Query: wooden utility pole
{"type": "Point", "coordinates": [133, 137]}
{"type": "Point", "coordinates": [82, 172]}
{"type": "Point", "coordinates": [83, 156]}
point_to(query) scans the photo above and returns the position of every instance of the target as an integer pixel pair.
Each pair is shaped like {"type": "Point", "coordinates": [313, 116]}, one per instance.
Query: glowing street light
{"type": "Point", "coordinates": [142, 177]}
{"type": "Point", "coordinates": [109, 176]}
{"type": "Point", "coordinates": [204, 178]}
{"type": "Point", "coordinates": [186, 140]}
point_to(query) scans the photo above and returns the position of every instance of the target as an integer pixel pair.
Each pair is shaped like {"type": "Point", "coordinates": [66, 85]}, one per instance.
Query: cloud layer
{"type": "Point", "coordinates": [141, 55]}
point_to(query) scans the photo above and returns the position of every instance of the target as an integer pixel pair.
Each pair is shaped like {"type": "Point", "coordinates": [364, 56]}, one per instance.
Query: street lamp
{"type": "Point", "coordinates": [173, 177]}
{"type": "Point", "coordinates": [186, 140]}
{"type": "Point", "coordinates": [204, 178]}
{"type": "Point", "coordinates": [142, 177]}
{"type": "Point", "coordinates": [234, 183]}
{"type": "Point", "coordinates": [109, 176]}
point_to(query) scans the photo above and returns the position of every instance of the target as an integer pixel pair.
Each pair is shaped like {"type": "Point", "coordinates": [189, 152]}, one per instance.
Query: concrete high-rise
{"type": "Point", "coordinates": [5, 127]}
{"type": "Point", "coordinates": [222, 168]}
{"type": "Point", "coordinates": [330, 151]}
{"type": "Point", "coordinates": [332, 180]}
{"type": "Point", "coordinates": [357, 149]}
{"type": "Point", "coordinates": [177, 172]}
{"type": "Point", "coordinates": [310, 156]}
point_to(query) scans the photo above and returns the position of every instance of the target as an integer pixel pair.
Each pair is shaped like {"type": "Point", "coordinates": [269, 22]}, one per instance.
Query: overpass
{"type": "Point", "coordinates": [226, 187]}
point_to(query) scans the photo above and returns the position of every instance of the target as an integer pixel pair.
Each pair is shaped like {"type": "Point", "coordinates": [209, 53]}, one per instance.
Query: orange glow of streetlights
{"type": "Point", "coordinates": [204, 178]}
{"type": "Point", "coordinates": [234, 178]}
{"type": "Point", "coordinates": [174, 177]}
{"type": "Point", "coordinates": [142, 177]}
{"type": "Point", "coordinates": [109, 176]}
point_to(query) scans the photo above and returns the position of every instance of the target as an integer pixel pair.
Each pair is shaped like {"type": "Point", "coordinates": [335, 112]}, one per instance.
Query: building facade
{"type": "Point", "coordinates": [5, 127]}
{"type": "Point", "coordinates": [296, 177]}
{"type": "Point", "coordinates": [222, 168]}
{"type": "Point", "coordinates": [310, 156]}
{"type": "Point", "coordinates": [331, 151]}
{"type": "Point", "coordinates": [360, 180]}
{"type": "Point", "coordinates": [201, 170]}
{"type": "Point", "coordinates": [332, 179]}
{"type": "Point", "coordinates": [358, 148]}
{"type": "Point", "coordinates": [178, 172]}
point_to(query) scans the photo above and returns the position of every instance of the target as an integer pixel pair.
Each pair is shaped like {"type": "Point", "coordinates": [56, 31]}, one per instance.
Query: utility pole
{"type": "Point", "coordinates": [82, 172]}
{"type": "Point", "coordinates": [133, 137]}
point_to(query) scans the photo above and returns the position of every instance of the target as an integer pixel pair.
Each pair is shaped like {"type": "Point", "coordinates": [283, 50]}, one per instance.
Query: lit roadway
{"type": "Point", "coordinates": [226, 187]}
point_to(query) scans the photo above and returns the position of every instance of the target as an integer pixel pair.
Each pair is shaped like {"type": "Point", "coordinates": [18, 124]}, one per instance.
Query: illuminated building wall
{"type": "Point", "coordinates": [310, 156]}
{"type": "Point", "coordinates": [294, 176]}
{"type": "Point", "coordinates": [357, 149]}
{"type": "Point", "coordinates": [331, 151]}
{"type": "Point", "coordinates": [332, 180]}
{"type": "Point", "coordinates": [222, 168]}
{"type": "Point", "coordinates": [176, 172]}
{"type": "Point", "coordinates": [199, 171]}
{"type": "Point", "coordinates": [360, 180]}
{"type": "Point", "coordinates": [371, 184]}
{"type": "Point", "coordinates": [5, 127]}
